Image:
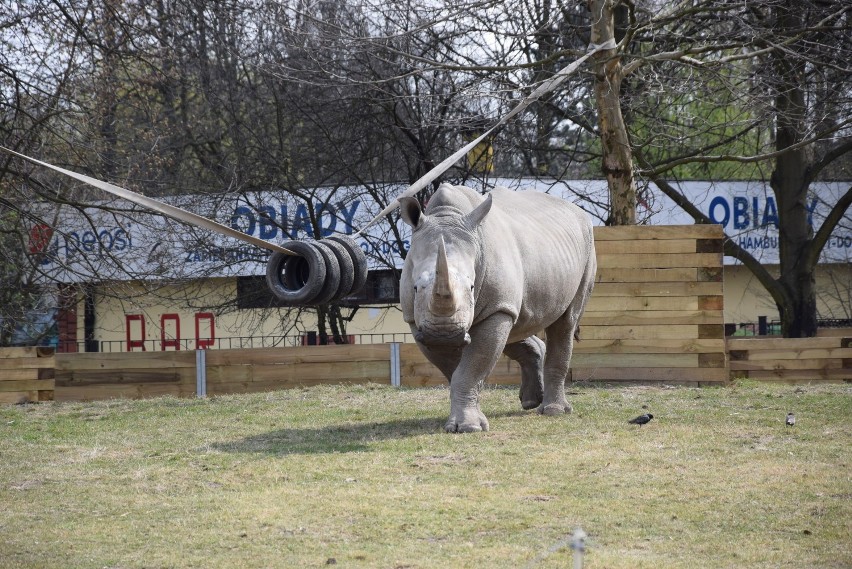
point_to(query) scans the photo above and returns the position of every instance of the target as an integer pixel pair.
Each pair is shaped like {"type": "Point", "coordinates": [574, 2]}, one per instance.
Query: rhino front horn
{"type": "Point", "coordinates": [443, 301]}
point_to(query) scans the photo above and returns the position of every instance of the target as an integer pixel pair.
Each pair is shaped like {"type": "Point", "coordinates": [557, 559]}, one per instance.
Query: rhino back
{"type": "Point", "coordinates": [535, 251]}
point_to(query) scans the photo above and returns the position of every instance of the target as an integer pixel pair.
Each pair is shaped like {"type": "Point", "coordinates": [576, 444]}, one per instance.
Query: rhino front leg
{"type": "Point", "coordinates": [478, 358]}
{"type": "Point", "coordinates": [529, 353]}
{"type": "Point", "coordinates": [446, 359]}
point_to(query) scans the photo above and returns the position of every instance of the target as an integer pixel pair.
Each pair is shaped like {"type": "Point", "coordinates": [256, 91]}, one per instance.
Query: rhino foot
{"type": "Point", "coordinates": [530, 403]}
{"type": "Point", "coordinates": [532, 394]}
{"type": "Point", "coordinates": [468, 421]}
{"type": "Point", "coordinates": [553, 409]}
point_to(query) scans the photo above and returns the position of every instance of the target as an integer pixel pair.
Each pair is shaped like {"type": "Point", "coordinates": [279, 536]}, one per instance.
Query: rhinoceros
{"type": "Point", "coordinates": [483, 275]}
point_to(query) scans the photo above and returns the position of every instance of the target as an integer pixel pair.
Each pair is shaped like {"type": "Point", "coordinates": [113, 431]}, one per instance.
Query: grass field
{"type": "Point", "coordinates": [363, 476]}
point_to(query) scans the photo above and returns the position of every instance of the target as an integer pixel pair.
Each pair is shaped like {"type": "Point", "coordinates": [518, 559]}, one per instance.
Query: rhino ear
{"type": "Point", "coordinates": [474, 218]}
{"type": "Point", "coordinates": [409, 209]}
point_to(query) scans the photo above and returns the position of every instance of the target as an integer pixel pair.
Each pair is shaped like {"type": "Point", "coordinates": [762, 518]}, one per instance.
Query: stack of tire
{"type": "Point", "coordinates": [321, 272]}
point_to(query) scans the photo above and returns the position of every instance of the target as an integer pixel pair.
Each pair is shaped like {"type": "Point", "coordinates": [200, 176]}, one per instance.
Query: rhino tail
{"type": "Point", "coordinates": [577, 334]}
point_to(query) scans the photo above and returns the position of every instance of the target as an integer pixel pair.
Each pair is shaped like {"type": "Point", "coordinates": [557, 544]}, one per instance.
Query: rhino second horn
{"type": "Point", "coordinates": [443, 299]}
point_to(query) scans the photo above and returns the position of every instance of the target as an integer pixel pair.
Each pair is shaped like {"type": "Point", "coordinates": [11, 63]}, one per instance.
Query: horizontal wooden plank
{"type": "Point", "coordinates": [20, 374]}
{"type": "Point", "coordinates": [262, 386]}
{"type": "Point", "coordinates": [635, 360]}
{"type": "Point", "coordinates": [26, 352]}
{"type": "Point", "coordinates": [27, 385]}
{"type": "Point", "coordinates": [612, 247]}
{"type": "Point", "coordinates": [767, 365]}
{"type": "Point", "coordinates": [297, 355]}
{"type": "Point", "coordinates": [25, 363]}
{"type": "Point", "coordinates": [656, 346]}
{"type": "Point", "coordinates": [652, 332]}
{"type": "Point", "coordinates": [790, 344]}
{"type": "Point", "coordinates": [17, 397]}
{"type": "Point", "coordinates": [639, 318]}
{"type": "Point", "coordinates": [650, 374]}
{"type": "Point", "coordinates": [811, 353]}
{"type": "Point", "coordinates": [296, 374]}
{"type": "Point", "coordinates": [658, 289]}
{"type": "Point", "coordinates": [659, 260]}
{"type": "Point", "coordinates": [128, 391]}
{"type": "Point", "coordinates": [123, 377]}
{"type": "Point", "coordinates": [634, 275]}
{"type": "Point", "coordinates": [609, 304]}
{"type": "Point", "coordinates": [795, 375]}
{"type": "Point", "coordinates": [324, 371]}
{"type": "Point", "coordinates": [631, 232]}
{"type": "Point", "coordinates": [125, 360]}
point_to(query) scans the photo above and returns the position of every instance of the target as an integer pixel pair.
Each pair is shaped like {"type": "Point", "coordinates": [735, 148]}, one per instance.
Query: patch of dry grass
{"type": "Point", "coordinates": [364, 475]}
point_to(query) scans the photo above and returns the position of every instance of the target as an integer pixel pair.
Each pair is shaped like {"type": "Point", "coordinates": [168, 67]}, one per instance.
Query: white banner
{"type": "Point", "coordinates": [133, 243]}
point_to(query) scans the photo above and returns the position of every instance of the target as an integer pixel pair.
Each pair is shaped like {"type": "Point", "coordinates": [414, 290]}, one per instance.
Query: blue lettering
{"type": "Point", "coordinates": [102, 237]}
{"type": "Point", "coordinates": [268, 229]}
{"type": "Point", "coordinates": [88, 240]}
{"type": "Point", "coordinates": [719, 201]}
{"type": "Point", "coordinates": [348, 215]}
{"type": "Point", "coordinates": [332, 217]}
{"type": "Point", "coordinates": [741, 217]}
{"type": "Point", "coordinates": [770, 213]}
{"type": "Point", "coordinates": [302, 222]}
{"type": "Point", "coordinates": [811, 212]}
{"type": "Point", "coordinates": [244, 212]}
{"type": "Point", "coordinates": [120, 243]}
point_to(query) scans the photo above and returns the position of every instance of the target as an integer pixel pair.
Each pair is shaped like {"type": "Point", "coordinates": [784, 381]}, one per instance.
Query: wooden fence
{"type": "Point", "coordinates": [824, 358]}
{"type": "Point", "coordinates": [26, 374]}
{"type": "Point", "coordinates": [656, 315]}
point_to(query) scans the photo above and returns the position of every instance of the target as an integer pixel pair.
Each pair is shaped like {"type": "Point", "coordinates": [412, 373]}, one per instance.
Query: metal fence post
{"type": "Point", "coordinates": [201, 373]}
{"type": "Point", "coordinates": [578, 544]}
{"type": "Point", "coordinates": [396, 379]}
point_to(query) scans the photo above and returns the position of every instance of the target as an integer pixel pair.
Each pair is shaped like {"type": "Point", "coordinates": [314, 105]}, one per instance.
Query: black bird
{"type": "Point", "coordinates": [791, 419]}
{"type": "Point", "coordinates": [641, 419]}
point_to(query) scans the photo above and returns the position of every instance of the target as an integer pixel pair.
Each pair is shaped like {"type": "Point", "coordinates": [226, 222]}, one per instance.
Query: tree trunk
{"type": "Point", "coordinates": [790, 181]}
{"type": "Point", "coordinates": [617, 161]}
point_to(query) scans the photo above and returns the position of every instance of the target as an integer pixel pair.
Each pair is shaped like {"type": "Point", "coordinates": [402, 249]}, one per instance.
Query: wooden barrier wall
{"type": "Point", "coordinates": [89, 376]}
{"type": "Point", "coordinates": [26, 374]}
{"type": "Point", "coordinates": [133, 375]}
{"type": "Point", "coordinates": [655, 316]}
{"type": "Point", "coordinates": [824, 358]}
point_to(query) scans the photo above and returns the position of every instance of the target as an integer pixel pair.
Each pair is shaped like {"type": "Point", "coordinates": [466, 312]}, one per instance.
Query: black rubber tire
{"type": "Point", "coordinates": [296, 280]}
{"type": "Point", "coordinates": [332, 274]}
{"type": "Point", "coordinates": [359, 261]}
{"type": "Point", "coordinates": [347, 272]}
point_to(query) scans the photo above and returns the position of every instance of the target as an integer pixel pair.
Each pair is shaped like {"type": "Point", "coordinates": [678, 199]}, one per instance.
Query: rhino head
{"type": "Point", "coordinates": [439, 281]}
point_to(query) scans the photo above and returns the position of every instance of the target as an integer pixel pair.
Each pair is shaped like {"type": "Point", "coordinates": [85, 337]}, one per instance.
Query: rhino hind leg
{"type": "Point", "coordinates": [560, 344]}
{"type": "Point", "coordinates": [530, 354]}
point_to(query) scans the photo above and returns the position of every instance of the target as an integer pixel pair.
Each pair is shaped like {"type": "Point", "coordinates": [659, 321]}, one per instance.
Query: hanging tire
{"type": "Point", "coordinates": [359, 261]}
{"type": "Point", "coordinates": [332, 274]}
{"type": "Point", "coordinates": [347, 272]}
{"type": "Point", "coordinates": [296, 280]}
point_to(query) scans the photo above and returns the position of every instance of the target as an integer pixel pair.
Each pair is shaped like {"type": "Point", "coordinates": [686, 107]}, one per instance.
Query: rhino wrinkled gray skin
{"type": "Point", "coordinates": [483, 276]}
